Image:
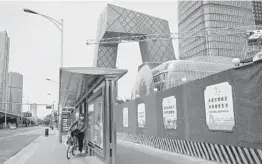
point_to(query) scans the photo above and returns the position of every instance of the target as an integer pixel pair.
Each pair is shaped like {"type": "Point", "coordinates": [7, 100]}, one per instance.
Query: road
{"type": "Point", "coordinates": [6, 133]}
{"type": "Point", "coordinates": [12, 141]}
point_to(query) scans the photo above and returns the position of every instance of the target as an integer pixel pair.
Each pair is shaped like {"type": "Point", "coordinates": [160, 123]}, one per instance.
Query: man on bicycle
{"type": "Point", "coordinates": [79, 131]}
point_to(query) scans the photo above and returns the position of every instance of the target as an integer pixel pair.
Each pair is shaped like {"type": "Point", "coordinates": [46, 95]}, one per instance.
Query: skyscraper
{"type": "Point", "coordinates": [254, 39]}
{"type": "Point", "coordinates": [257, 10]}
{"type": "Point", "coordinates": [15, 93]}
{"type": "Point", "coordinates": [4, 63]}
{"type": "Point", "coordinates": [197, 16]}
{"type": "Point", "coordinates": [33, 110]}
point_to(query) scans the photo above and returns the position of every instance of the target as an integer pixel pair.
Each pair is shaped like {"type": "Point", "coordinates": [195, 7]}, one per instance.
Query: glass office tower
{"type": "Point", "coordinates": [195, 17]}
{"type": "Point", "coordinates": [15, 93]}
{"type": "Point", "coordinates": [257, 11]}
{"type": "Point", "coordinates": [254, 42]}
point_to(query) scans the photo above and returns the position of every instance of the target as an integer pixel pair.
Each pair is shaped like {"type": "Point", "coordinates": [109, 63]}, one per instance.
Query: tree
{"type": "Point", "coordinates": [48, 119]}
{"type": "Point", "coordinates": [118, 101]}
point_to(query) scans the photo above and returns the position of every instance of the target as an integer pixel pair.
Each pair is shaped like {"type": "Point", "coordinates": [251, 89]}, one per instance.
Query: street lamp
{"type": "Point", "coordinates": [60, 26]}
{"type": "Point", "coordinates": [51, 80]}
{"type": "Point", "coordinates": [236, 61]}
{"type": "Point", "coordinates": [184, 79]}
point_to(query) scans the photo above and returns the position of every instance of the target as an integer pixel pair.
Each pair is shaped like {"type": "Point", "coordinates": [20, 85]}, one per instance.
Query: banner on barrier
{"type": "Point", "coordinates": [125, 117]}
{"type": "Point", "coordinates": [141, 115]}
{"type": "Point", "coordinates": [219, 107]}
{"type": "Point", "coordinates": [169, 112]}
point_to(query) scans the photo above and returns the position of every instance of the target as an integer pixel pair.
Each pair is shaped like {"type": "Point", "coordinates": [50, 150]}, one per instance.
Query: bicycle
{"type": "Point", "coordinates": [72, 147]}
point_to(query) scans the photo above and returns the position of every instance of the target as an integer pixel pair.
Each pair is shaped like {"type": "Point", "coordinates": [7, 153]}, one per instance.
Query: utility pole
{"type": "Point", "coordinates": [29, 111]}
{"type": "Point", "coordinates": [21, 110]}
{"type": "Point", "coordinates": [28, 104]}
{"type": "Point", "coordinates": [53, 115]}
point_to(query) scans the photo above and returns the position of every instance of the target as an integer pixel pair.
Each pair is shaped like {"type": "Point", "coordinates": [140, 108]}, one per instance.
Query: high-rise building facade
{"type": "Point", "coordinates": [4, 63]}
{"type": "Point", "coordinates": [257, 10]}
{"type": "Point", "coordinates": [33, 110]}
{"type": "Point", "coordinates": [198, 16]}
{"type": "Point", "coordinates": [15, 93]}
{"type": "Point", "coordinates": [254, 39]}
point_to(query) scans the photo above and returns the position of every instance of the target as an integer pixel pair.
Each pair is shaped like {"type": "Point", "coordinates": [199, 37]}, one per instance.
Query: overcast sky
{"type": "Point", "coordinates": [35, 42]}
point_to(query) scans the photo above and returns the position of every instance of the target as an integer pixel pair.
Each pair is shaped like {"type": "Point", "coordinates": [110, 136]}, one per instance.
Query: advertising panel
{"type": "Point", "coordinates": [27, 114]}
{"type": "Point", "coordinates": [141, 115]}
{"type": "Point", "coordinates": [125, 117]}
{"type": "Point", "coordinates": [83, 108]}
{"type": "Point", "coordinates": [169, 112]}
{"type": "Point", "coordinates": [77, 112]}
{"type": "Point", "coordinates": [219, 107]}
{"type": "Point", "coordinates": [95, 122]}
{"type": "Point", "coordinates": [65, 121]}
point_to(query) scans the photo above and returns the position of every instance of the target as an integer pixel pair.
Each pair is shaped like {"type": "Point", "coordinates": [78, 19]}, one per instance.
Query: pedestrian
{"type": "Point", "coordinates": [79, 131]}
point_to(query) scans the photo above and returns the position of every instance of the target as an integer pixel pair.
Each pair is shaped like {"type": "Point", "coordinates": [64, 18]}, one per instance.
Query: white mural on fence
{"type": "Point", "coordinates": [169, 112]}
{"type": "Point", "coordinates": [141, 115]}
{"type": "Point", "coordinates": [125, 117]}
{"type": "Point", "coordinates": [219, 107]}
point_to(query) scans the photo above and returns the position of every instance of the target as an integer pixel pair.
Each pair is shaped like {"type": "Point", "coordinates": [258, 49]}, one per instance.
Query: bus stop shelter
{"type": "Point", "coordinates": [92, 92]}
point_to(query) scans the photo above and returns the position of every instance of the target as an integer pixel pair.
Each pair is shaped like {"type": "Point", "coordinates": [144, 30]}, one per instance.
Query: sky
{"type": "Point", "coordinates": [35, 42]}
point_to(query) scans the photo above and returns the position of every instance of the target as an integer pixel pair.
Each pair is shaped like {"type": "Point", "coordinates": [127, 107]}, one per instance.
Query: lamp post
{"type": "Point", "coordinates": [53, 110]}
{"type": "Point", "coordinates": [184, 79]}
{"type": "Point", "coordinates": [236, 61]}
{"type": "Point", "coordinates": [60, 26]}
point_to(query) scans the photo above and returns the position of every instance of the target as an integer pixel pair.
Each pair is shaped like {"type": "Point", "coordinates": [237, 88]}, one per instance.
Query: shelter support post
{"type": "Point", "coordinates": [110, 135]}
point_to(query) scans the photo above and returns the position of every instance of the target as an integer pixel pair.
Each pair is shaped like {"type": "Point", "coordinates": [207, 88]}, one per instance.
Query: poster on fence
{"type": "Point", "coordinates": [219, 107]}
{"type": "Point", "coordinates": [141, 115]}
{"type": "Point", "coordinates": [169, 112]}
{"type": "Point", "coordinates": [125, 117]}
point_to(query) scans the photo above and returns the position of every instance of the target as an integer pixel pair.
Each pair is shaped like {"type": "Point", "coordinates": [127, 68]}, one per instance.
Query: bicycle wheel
{"type": "Point", "coordinates": [85, 148]}
{"type": "Point", "coordinates": [73, 150]}
{"type": "Point", "coordinates": [74, 146]}
{"type": "Point", "coordinates": [68, 152]}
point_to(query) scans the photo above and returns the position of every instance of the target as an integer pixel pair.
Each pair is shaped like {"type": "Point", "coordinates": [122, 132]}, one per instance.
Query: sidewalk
{"type": "Point", "coordinates": [132, 153]}
{"type": "Point", "coordinates": [47, 150]}
{"type": "Point", "coordinates": [50, 151]}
